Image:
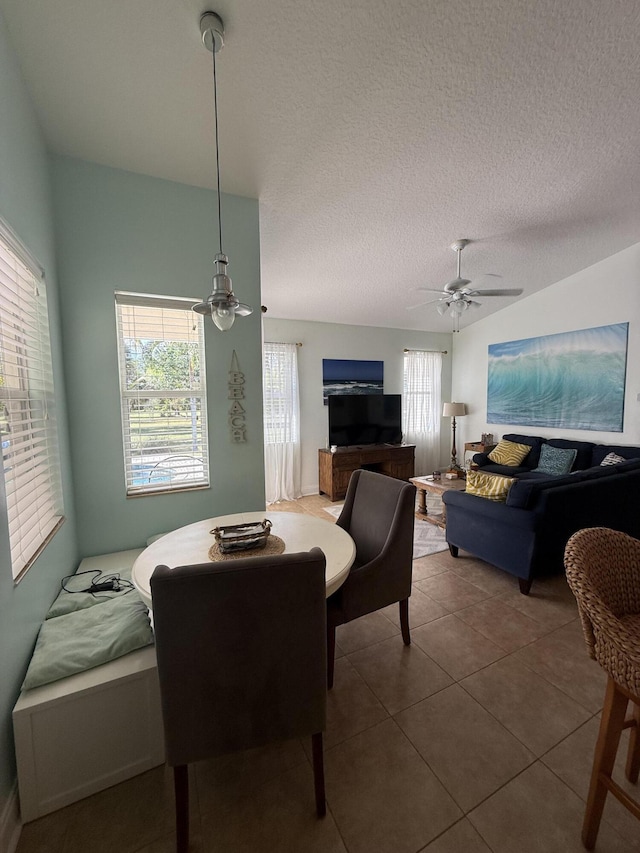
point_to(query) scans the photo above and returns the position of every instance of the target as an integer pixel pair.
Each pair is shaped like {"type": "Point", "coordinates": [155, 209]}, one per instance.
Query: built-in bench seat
{"type": "Point", "coordinates": [88, 731]}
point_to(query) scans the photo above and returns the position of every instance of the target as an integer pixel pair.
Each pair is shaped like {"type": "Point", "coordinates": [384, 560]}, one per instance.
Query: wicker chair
{"type": "Point", "coordinates": [603, 570]}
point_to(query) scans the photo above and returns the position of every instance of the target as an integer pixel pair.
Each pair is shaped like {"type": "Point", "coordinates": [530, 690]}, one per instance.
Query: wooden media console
{"type": "Point", "coordinates": [335, 468]}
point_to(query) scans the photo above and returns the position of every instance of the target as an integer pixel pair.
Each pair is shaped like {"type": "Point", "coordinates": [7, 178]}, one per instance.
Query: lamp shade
{"type": "Point", "coordinates": [454, 410]}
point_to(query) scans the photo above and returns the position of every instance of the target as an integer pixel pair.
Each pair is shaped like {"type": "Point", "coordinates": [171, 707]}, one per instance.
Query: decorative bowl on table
{"type": "Point", "coordinates": [242, 537]}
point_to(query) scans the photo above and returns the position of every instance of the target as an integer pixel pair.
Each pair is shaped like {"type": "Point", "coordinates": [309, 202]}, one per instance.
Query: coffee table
{"type": "Point", "coordinates": [435, 487]}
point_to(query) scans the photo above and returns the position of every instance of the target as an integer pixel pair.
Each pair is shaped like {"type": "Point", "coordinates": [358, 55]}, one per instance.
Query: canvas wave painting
{"type": "Point", "coordinates": [572, 380]}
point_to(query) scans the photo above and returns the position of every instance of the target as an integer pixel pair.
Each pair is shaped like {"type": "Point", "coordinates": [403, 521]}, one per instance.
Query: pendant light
{"type": "Point", "coordinates": [222, 305]}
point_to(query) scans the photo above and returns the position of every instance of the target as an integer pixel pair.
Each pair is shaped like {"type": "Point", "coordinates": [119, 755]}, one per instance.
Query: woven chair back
{"type": "Point", "coordinates": [603, 571]}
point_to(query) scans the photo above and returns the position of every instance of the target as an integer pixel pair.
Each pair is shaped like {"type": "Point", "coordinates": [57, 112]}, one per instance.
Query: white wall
{"type": "Point", "coordinates": [328, 340]}
{"type": "Point", "coordinates": [607, 292]}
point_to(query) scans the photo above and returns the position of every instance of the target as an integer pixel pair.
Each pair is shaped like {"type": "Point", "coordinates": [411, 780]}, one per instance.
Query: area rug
{"type": "Point", "coordinates": [427, 538]}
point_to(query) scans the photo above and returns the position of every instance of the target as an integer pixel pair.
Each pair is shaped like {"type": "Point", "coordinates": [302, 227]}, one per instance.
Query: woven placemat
{"type": "Point", "coordinates": [275, 545]}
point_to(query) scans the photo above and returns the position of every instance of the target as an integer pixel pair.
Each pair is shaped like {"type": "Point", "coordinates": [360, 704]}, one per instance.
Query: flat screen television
{"type": "Point", "coordinates": [365, 419]}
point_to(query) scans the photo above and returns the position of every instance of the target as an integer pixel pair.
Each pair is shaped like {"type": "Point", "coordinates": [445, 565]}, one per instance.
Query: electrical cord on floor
{"type": "Point", "coordinates": [99, 583]}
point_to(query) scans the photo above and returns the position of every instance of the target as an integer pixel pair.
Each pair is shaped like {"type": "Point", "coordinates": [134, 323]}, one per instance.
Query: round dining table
{"type": "Point", "coordinates": [190, 545]}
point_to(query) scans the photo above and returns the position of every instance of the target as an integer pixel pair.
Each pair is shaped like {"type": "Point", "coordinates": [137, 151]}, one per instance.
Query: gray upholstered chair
{"type": "Point", "coordinates": [603, 571]}
{"type": "Point", "coordinates": [241, 660]}
{"type": "Point", "coordinates": [378, 514]}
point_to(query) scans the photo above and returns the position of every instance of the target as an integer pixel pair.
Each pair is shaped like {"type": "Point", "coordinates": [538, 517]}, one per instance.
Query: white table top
{"type": "Point", "coordinates": [300, 532]}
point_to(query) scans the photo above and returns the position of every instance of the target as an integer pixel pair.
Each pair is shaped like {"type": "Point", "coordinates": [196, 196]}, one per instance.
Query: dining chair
{"type": "Point", "coordinates": [241, 661]}
{"type": "Point", "coordinates": [379, 515]}
{"type": "Point", "coordinates": [603, 571]}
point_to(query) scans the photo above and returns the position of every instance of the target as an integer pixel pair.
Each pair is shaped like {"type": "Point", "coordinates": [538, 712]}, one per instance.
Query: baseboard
{"type": "Point", "coordinates": [10, 826]}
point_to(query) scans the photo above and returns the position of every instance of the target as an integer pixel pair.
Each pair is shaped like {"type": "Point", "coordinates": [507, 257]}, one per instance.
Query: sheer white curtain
{"type": "Point", "coordinates": [281, 422]}
{"type": "Point", "coordinates": [421, 406]}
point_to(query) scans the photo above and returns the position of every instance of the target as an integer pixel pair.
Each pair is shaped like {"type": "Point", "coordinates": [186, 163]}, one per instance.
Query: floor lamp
{"type": "Point", "coordinates": [453, 411]}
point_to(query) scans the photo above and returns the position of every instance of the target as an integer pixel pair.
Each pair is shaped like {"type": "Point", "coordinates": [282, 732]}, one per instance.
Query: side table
{"type": "Point", "coordinates": [476, 447]}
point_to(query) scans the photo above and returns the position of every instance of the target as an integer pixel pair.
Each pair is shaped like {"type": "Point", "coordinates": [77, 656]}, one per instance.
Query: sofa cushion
{"type": "Point", "coordinates": [556, 460]}
{"type": "Point", "coordinates": [505, 470]}
{"type": "Point", "coordinates": [602, 450]}
{"type": "Point", "coordinates": [597, 472]}
{"type": "Point", "coordinates": [509, 453]}
{"type": "Point", "coordinates": [584, 450]}
{"type": "Point", "coordinates": [489, 486]}
{"type": "Point", "coordinates": [524, 492]}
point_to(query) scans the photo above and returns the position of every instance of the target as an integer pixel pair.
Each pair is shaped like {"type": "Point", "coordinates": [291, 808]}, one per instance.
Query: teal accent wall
{"type": "Point", "coordinates": [25, 204]}
{"type": "Point", "coordinates": [117, 230]}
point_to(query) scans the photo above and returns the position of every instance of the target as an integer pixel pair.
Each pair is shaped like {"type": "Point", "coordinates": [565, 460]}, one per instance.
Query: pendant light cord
{"type": "Point", "coordinates": [215, 112]}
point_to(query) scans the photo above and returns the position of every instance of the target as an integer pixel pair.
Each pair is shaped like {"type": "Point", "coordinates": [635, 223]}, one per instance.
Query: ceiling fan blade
{"type": "Point", "coordinates": [420, 304]}
{"type": "Point", "coordinates": [428, 290]}
{"type": "Point", "coordinates": [507, 291]}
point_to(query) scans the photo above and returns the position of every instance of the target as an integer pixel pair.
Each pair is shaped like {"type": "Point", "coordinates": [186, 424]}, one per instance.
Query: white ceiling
{"type": "Point", "coordinates": [373, 133]}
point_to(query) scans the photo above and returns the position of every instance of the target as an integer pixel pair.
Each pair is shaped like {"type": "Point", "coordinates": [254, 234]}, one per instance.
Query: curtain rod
{"type": "Point", "coordinates": [441, 351]}
{"type": "Point", "coordinates": [297, 344]}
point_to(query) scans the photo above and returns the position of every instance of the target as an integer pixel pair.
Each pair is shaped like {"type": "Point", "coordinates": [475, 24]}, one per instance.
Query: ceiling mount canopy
{"type": "Point", "coordinates": [222, 305]}
{"type": "Point", "coordinates": [455, 296]}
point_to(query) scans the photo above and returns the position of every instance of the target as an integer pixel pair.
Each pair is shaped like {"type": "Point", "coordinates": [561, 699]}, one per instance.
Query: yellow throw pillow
{"type": "Point", "coordinates": [490, 486]}
{"type": "Point", "coordinates": [509, 453]}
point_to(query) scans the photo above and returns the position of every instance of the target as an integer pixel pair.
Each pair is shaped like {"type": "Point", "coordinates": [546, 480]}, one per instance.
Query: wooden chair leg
{"type": "Point", "coordinates": [404, 621]}
{"type": "Point", "coordinates": [633, 756]}
{"type": "Point", "coordinates": [318, 774]}
{"type": "Point", "coordinates": [181, 788]}
{"type": "Point", "coordinates": [613, 714]}
{"type": "Point", "coordinates": [331, 654]}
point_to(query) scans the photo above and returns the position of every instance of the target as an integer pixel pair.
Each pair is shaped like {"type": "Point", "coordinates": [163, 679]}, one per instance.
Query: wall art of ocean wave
{"type": "Point", "coordinates": [571, 386]}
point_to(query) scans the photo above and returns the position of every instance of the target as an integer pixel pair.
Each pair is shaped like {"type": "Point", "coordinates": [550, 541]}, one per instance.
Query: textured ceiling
{"type": "Point", "coordinates": [374, 134]}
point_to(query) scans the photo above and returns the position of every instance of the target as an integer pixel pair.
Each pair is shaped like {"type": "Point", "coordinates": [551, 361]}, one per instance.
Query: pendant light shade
{"type": "Point", "coordinates": [222, 305]}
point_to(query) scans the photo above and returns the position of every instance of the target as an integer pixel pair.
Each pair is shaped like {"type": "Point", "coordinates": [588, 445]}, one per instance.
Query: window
{"type": "Point", "coordinates": [281, 422]}
{"type": "Point", "coordinates": [163, 393]}
{"type": "Point", "coordinates": [30, 458]}
{"type": "Point", "coordinates": [421, 407]}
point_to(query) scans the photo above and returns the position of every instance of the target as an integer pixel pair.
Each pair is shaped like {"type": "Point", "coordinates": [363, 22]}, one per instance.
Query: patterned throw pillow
{"type": "Point", "coordinates": [490, 486]}
{"type": "Point", "coordinates": [509, 453]}
{"type": "Point", "coordinates": [612, 459]}
{"type": "Point", "coordinates": [555, 460]}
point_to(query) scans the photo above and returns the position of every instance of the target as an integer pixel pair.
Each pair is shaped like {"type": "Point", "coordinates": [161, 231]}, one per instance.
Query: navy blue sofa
{"type": "Point", "coordinates": [527, 534]}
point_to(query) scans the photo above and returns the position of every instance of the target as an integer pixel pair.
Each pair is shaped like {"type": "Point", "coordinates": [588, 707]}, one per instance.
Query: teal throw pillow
{"type": "Point", "coordinates": [555, 460]}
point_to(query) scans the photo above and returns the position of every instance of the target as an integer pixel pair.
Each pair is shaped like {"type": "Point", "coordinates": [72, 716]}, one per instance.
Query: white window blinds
{"type": "Point", "coordinates": [30, 459]}
{"type": "Point", "coordinates": [163, 393]}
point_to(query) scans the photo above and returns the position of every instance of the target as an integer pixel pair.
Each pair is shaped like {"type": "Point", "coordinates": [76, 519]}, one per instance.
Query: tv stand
{"type": "Point", "coordinates": [335, 469]}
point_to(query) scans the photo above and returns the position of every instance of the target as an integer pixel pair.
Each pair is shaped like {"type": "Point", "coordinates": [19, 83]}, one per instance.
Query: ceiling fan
{"type": "Point", "coordinates": [456, 295]}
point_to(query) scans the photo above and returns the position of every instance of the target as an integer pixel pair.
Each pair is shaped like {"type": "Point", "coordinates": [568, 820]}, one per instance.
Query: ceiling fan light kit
{"type": "Point", "coordinates": [222, 305]}
{"type": "Point", "coordinates": [455, 296]}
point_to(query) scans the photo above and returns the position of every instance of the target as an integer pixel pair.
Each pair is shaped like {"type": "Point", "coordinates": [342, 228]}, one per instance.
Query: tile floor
{"type": "Point", "coordinates": [476, 738]}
